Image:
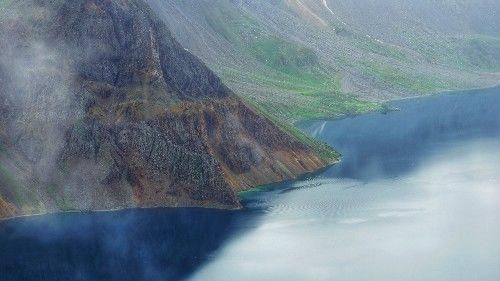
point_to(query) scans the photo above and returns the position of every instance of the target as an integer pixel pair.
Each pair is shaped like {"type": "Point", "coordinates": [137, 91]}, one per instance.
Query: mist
{"type": "Point", "coordinates": [156, 244]}
{"type": "Point", "coordinates": [414, 198]}
{"type": "Point", "coordinates": [38, 102]}
{"type": "Point", "coordinates": [102, 109]}
{"type": "Point", "coordinates": [39, 99]}
{"type": "Point", "coordinates": [422, 226]}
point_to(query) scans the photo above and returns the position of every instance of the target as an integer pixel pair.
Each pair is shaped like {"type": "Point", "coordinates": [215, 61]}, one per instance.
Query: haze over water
{"type": "Point", "coordinates": [417, 197]}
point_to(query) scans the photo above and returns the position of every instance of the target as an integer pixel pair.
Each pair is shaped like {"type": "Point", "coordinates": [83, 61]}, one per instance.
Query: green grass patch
{"type": "Point", "coordinates": [284, 56]}
{"type": "Point", "coordinates": [244, 32]}
{"type": "Point", "coordinates": [402, 79]}
{"type": "Point", "coordinates": [322, 149]}
{"type": "Point", "coordinates": [300, 97]}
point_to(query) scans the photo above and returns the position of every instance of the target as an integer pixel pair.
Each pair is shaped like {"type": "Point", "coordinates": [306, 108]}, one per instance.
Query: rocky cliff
{"type": "Point", "coordinates": [102, 109]}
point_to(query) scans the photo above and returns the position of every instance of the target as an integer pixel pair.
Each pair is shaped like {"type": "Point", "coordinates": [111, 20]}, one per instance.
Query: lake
{"type": "Point", "coordinates": [416, 197]}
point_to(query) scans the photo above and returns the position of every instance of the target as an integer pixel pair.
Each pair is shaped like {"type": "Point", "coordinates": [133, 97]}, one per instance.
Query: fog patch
{"type": "Point", "coordinates": [35, 97]}
{"type": "Point", "coordinates": [39, 97]}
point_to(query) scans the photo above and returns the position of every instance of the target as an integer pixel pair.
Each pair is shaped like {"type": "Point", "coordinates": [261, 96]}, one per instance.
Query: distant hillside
{"type": "Point", "coordinates": [297, 59]}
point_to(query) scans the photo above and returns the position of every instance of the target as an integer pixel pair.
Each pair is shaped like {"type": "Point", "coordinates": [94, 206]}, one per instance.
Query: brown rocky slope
{"type": "Point", "coordinates": [101, 109]}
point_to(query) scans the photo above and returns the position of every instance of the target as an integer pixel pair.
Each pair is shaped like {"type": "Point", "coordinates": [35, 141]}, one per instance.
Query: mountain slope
{"type": "Point", "coordinates": [102, 109]}
{"type": "Point", "coordinates": [299, 59]}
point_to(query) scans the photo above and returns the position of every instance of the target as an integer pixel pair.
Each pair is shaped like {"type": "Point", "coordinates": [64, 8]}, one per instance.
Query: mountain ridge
{"type": "Point", "coordinates": [105, 110]}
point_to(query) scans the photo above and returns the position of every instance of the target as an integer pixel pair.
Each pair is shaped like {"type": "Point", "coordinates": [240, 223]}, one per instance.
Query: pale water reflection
{"type": "Point", "coordinates": [416, 198]}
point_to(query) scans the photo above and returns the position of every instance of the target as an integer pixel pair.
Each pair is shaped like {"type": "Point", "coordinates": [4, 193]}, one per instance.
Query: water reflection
{"type": "Point", "coordinates": [417, 197]}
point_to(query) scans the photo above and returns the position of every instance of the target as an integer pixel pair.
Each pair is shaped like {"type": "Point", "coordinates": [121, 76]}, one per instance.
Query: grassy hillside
{"type": "Point", "coordinates": [301, 59]}
{"type": "Point", "coordinates": [306, 59]}
{"type": "Point", "coordinates": [283, 66]}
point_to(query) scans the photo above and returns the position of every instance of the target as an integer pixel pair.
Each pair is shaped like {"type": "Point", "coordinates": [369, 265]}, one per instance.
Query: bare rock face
{"type": "Point", "coordinates": [101, 108]}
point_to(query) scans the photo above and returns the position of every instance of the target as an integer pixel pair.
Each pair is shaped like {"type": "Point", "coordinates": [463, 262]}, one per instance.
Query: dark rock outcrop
{"type": "Point", "coordinates": [102, 109]}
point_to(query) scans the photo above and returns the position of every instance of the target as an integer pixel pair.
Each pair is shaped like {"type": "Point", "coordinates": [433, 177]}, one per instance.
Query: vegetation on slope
{"type": "Point", "coordinates": [476, 52]}
{"type": "Point", "coordinates": [294, 68]}
{"type": "Point", "coordinates": [287, 67]}
{"type": "Point", "coordinates": [319, 147]}
{"type": "Point", "coordinates": [403, 79]}
{"type": "Point", "coordinates": [314, 97]}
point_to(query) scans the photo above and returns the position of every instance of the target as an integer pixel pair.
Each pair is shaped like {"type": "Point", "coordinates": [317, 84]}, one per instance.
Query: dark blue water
{"type": "Point", "coordinates": [157, 244]}
{"type": "Point", "coordinates": [416, 197]}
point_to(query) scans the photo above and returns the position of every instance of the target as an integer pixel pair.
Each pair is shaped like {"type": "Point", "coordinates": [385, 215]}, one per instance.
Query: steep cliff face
{"type": "Point", "coordinates": [102, 109]}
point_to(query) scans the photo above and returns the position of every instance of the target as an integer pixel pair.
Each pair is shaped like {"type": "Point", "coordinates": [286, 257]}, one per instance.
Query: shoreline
{"type": "Point", "coordinates": [269, 186]}
{"type": "Point", "coordinates": [180, 206]}
{"type": "Point", "coordinates": [116, 210]}
{"type": "Point", "coordinates": [443, 92]}
{"type": "Point", "coordinates": [256, 189]}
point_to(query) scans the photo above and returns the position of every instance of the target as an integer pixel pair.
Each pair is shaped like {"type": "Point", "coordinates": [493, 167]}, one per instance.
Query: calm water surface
{"type": "Point", "coordinates": [416, 197]}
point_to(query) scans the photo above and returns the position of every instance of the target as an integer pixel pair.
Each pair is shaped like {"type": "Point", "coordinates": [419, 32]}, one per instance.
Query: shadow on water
{"type": "Point", "coordinates": [156, 244]}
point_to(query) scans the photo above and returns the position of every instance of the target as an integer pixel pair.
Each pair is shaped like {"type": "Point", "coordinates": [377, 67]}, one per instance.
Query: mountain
{"type": "Point", "coordinates": [299, 59]}
{"type": "Point", "coordinates": [102, 109]}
